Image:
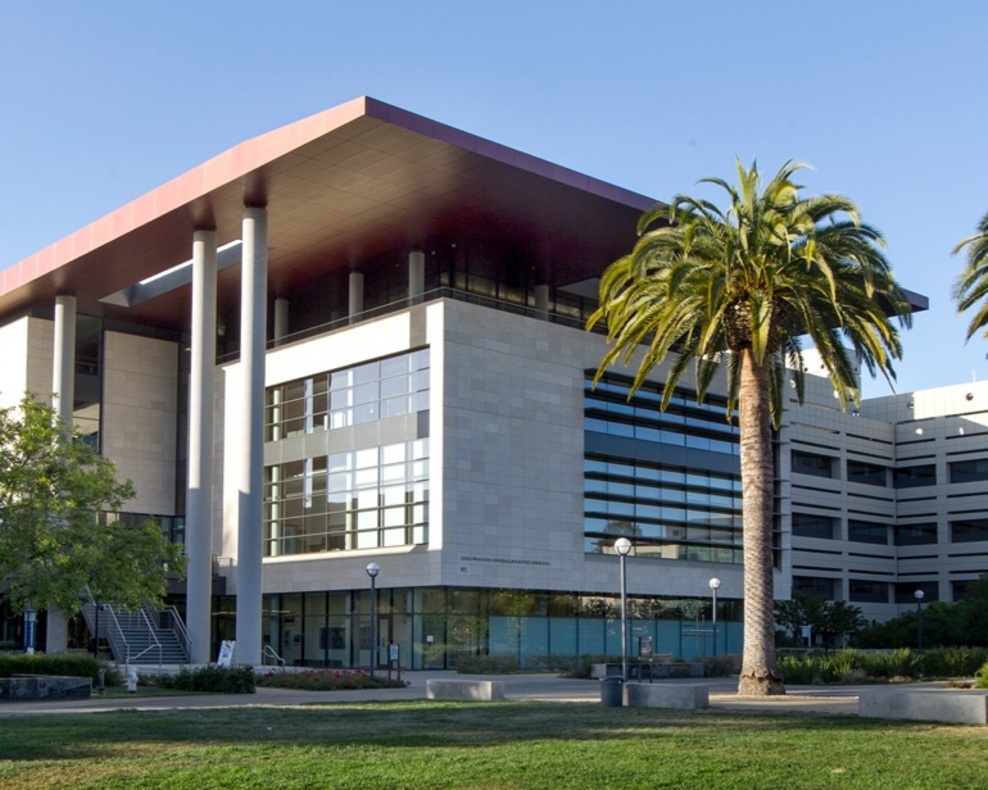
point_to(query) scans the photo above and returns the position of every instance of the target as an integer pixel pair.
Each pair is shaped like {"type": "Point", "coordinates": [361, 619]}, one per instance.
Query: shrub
{"type": "Point", "coordinates": [65, 664]}
{"type": "Point", "coordinates": [981, 677]}
{"type": "Point", "coordinates": [212, 679]}
{"type": "Point", "coordinates": [487, 665]}
{"type": "Point", "coordinates": [951, 662]}
{"type": "Point", "coordinates": [326, 680]}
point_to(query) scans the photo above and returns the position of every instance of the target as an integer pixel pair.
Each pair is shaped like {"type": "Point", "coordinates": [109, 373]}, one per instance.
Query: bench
{"type": "Point", "coordinates": [955, 707]}
{"type": "Point", "coordinates": [485, 690]}
{"type": "Point", "coordinates": [666, 695]}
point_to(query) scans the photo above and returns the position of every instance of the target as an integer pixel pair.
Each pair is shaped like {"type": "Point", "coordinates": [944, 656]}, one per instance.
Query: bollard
{"type": "Point", "coordinates": [131, 680]}
{"type": "Point", "coordinates": [101, 682]}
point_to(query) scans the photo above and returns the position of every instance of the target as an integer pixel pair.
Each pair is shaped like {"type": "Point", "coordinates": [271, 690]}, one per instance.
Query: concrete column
{"type": "Point", "coordinates": [199, 495]}
{"type": "Point", "coordinates": [63, 369]}
{"type": "Point", "coordinates": [280, 320]}
{"type": "Point", "coordinates": [356, 305]}
{"type": "Point", "coordinates": [63, 401]}
{"type": "Point", "coordinates": [542, 300]}
{"type": "Point", "coordinates": [416, 275]}
{"type": "Point", "coordinates": [253, 304]}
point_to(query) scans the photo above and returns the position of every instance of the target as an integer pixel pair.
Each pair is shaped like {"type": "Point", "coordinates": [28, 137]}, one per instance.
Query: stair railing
{"type": "Point", "coordinates": [269, 652]}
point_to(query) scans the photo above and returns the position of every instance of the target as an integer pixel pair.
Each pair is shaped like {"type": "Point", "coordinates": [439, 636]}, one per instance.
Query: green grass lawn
{"type": "Point", "coordinates": [484, 745]}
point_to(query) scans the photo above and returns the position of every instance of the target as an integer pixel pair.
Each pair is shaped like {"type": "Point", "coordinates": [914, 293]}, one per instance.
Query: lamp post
{"type": "Point", "coordinates": [372, 570]}
{"type": "Point", "coordinates": [919, 595]}
{"type": "Point", "coordinates": [622, 546]}
{"type": "Point", "coordinates": [714, 586]}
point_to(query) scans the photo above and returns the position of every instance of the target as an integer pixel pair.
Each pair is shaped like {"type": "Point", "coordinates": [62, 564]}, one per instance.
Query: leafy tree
{"type": "Point", "coordinates": [55, 538]}
{"type": "Point", "coordinates": [832, 620]}
{"type": "Point", "coordinates": [751, 280]}
{"type": "Point", "coordinates": [800, 610]}
{"type": "Point", "coordinates": [971, 287]}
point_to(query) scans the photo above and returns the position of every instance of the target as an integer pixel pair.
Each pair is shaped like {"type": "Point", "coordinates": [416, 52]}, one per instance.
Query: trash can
{"type": "Point", "coordinates": [612, 692]}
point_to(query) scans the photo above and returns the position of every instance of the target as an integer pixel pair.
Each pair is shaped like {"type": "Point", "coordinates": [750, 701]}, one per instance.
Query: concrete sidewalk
{"type": "Point", "coordinates": [832, 700]}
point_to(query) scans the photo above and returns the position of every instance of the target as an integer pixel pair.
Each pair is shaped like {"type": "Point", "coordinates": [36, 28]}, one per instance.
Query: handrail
{"type": "Point", "coordinates": [117, 633]}
{"type": "Point", "coordinates": [179, 626]}
{"type": "Point", "coordinates": [151, 635]}
{"type": "Point", "coordinates": [269, 651]}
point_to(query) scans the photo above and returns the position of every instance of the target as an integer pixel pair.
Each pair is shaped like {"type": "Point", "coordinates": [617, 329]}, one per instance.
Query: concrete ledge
{"type": "Point", "coordinates": [44, 687]}
{"type": "Point", "coordinates": [663, 695]}
{"type": "Point", "coordinates": [485, 690]}
{"type": "Point", "coordinates": [955, 707]}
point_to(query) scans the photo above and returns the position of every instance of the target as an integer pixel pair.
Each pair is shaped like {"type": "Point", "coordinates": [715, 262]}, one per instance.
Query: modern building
{"type": "Point", "coordinates": [360, 338]}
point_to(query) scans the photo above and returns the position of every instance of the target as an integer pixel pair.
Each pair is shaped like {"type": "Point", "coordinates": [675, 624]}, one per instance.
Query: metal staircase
{"type": "Point", "coordinates": [142, 636]}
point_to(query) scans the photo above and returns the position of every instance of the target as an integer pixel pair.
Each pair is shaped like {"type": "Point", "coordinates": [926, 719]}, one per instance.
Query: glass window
{"type": "Point", "coordinates": [971, 471]}
{"type": "Point", "coordinates": [805, 525]}
{"type": "Point", "coordinates": [867, 591]}
{"type": "Point", "coordinates": [309, 508]}
{"type": "Point", "coordinates": [361, 394]}
{"type": "Point", "coordinates": [869, 474]}
{"type": "Point", "coordinates": [814, 586]}
{"type": "Point", "coordinates": [915, 476]}
{"type": "Point", "coordinates": [812, 464]}
{"type": "Point", "coordinates": [969, 530]}
{"type": "Point", "coordinates": [867, 532]}
{"type": "Point", "coordinates": [915, 534]}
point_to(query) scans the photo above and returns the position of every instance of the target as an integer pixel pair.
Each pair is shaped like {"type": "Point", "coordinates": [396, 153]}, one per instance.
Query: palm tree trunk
{"type": "Point", "coordinates": [759, 674]}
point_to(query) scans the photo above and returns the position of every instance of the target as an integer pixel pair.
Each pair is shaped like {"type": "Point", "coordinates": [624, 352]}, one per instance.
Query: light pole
{"type": "Point", "coordinates": [919, 595]}
{"type": "Point", "coordinates": [714, 586]}
{"type": "Point", "coordinates": [372, 570]}
{"type": "Point", "coordinates": [622, 546]}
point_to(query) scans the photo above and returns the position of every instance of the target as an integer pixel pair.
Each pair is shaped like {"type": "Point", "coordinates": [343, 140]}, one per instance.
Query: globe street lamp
{"type": "Point", "coordinates": [714, 586]}
{"type": "Point", "coordinates": [919, 595]}
{"type": "Point", "coordinates": [372, 570]}
{"type": "Point", "coordinates": [622, 546]}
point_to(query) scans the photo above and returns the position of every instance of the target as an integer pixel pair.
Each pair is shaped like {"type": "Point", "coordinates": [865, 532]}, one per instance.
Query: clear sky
{"type": "Point", "coordinates": [102, 101]}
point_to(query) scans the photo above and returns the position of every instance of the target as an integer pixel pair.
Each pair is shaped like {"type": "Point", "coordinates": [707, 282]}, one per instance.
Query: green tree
{"type": "Point", "coordinates": [971, 287]}
{"type": "Point", "coordinates": [832, 620]}
{"type": "Point", "coordinates": [55, 538]}
{"type": "Point", "coordinates": [751, 280]}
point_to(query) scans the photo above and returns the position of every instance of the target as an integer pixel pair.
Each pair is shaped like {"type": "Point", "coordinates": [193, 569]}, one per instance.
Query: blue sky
{"type": "Point", "coordinates": [103, 101]}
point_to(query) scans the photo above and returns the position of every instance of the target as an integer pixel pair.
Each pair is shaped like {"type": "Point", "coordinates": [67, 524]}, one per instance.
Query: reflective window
{"type": "Point", "coordinates": [375, 390]}
{"type": "Point", "coordinates": [812, 464]}
{"type": "Point", "coordinates": [351, 500]}
{"type": "Point", "coordinates": [867, 532]}
{"type": "Point", "coordinates": [805, 525]}
{"type": "Point", "coordinates": [869, 474]}
{"type": "Point", "coordinates": [915, 476]}
{"type": "Point", "coordinates": [867, 591]}
{"type": "Point", "coordinates": [915, 534]}
{"type": "Point", "coordinates": [972, 471]}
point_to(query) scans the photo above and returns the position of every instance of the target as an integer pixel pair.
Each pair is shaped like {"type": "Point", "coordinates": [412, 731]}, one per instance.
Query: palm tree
{"type": "Point", "coordinates": [971, 286]}
{"type": "Point", "coordinates": [751, 281]}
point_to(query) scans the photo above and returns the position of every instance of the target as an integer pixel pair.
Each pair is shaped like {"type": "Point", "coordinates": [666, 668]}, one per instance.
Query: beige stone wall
{"type": "Point", "coordinates": [27, 359]}
{"type": "Point", "coordinates": [140, 379]}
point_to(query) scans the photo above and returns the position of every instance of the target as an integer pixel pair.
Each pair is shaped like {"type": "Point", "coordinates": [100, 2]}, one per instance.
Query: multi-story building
{"type": "Point", "coordinates": [360, 338]}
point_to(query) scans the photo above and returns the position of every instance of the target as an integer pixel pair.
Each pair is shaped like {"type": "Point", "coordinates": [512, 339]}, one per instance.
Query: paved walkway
{"type": "Point", "coordinates": [831, 700]}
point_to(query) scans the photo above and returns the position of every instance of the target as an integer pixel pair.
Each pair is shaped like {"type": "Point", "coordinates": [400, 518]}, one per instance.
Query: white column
{"type": "Point", "coordinates": [280, 320]}
{"type": "Point", "coordinates": [542, 300]}
{"type": "Point", "coordinates": [63, 369]}
{"type": "Point", "coordinates": [356, 305]}
{"type": "Point", "coordinates": [416, 275]}
{"type": "Point", "coordinates": [63, 401]}
{"type": "Point", "coordinates": [253, 319]}
{"type": "Point", "coordinates": [199, 495]}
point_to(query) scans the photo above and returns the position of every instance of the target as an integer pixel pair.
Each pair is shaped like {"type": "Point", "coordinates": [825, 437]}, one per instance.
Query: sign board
{"type": "Point", "coordinates": [645, 646]}
{"type": "Point", "coordinates": [393, 652]}
{"type": "Point", "coordinates": [226, 653]}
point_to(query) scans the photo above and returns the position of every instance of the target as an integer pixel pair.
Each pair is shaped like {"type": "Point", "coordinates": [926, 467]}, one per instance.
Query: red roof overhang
{"type": "Point", "coordinates": [341, 187]}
